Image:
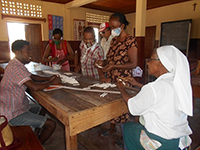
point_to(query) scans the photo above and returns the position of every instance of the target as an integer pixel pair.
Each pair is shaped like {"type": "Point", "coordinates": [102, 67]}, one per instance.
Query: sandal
{"type": "Point", "coordinates": [106, 133]}
{"type": "Point", "coordinates": [119, 143]}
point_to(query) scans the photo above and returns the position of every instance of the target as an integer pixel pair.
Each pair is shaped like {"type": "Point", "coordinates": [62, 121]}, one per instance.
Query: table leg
{"type": "Point", "coordinates": [71, 141]}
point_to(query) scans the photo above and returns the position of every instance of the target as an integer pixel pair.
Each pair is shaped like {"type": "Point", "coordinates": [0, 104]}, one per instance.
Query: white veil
{"type": "Point", "coordinates": [177, 64]}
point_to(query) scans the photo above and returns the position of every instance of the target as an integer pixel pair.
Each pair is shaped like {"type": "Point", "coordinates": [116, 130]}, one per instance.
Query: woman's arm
{"type": "Point", "coordinates": [69, 56]}
{"type": "Point", "coordinates": [124, 94]}
{"type": "Point", "coordinates": [133, 82]}
{"type": "Point", "coordinates": [132, 63]}
{"type": "Point", "coordinates": [47, 54]}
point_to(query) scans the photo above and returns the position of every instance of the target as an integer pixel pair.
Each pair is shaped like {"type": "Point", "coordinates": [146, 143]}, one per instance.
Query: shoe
{"type": "Point", "coordinates": [119, 143]}
{"type": "Point", "coordinates": [105, 133]}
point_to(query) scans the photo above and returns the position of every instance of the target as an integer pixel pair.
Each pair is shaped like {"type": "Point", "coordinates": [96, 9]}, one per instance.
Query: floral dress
{"type": "Point", "coordinates": [118, 55]}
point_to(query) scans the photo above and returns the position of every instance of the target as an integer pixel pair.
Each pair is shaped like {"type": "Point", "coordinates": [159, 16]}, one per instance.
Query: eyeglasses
{"type": "Point", "coordinates": [150, 59]}
{"type": "Point", "coordinates": [102, 32]}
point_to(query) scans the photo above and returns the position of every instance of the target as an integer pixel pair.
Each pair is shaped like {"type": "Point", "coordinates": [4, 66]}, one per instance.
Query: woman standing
{"type": "Point", "coordinates": [123, 52]}
{"type": "Point", "coordinates": [59, 50]}
{"type": "Point", "coordinates": [121, 59]}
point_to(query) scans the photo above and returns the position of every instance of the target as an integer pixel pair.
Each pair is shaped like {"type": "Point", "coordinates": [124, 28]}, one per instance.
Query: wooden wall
{"type": "Point", "coordinates": [4, 51]}
{"type": "Point", "coordinates": [194, 49]}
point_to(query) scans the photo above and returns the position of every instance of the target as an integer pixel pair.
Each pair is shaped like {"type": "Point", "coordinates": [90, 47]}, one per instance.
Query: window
{"type": "Point", "coordinates": [96, 18]}
{"type": "Point", "coordinates": [21, 9]}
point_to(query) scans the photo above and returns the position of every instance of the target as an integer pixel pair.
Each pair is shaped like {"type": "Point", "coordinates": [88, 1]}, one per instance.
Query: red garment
{"type": "Point", "coordinates": [61, 53]}
{"type": "Point", "coordinates": [63, 45]}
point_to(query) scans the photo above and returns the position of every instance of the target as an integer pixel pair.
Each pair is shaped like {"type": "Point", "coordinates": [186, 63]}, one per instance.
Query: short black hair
{"type": "Point", "coordinates": [108, 29]}
{"type": "Point", "coordinates": [121, 17]}
{"type": "Point", "coordinates": [89, 30]}
{"type": "Point", "coordinates": [58, 31]}
{"type": "Point", "coordinates": [18, 45]}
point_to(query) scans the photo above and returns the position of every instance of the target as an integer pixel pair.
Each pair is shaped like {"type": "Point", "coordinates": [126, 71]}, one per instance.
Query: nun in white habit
{"type": "Point", "coordinates": [163, 105]}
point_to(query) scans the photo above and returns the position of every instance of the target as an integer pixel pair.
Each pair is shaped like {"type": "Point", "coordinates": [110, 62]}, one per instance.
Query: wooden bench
{"type": "Point", "coordinates": [27, 137]}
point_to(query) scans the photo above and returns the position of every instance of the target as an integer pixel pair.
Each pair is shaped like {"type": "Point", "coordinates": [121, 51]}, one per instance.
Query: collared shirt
{"type": "Point", "coordinates": [106, 45]}
{"type": "Point", "coordinates": [12, 89]}
{"type": "Point", "coordinates": [88, 58]}
{"type": "Point", "coordinates": [157, 102]}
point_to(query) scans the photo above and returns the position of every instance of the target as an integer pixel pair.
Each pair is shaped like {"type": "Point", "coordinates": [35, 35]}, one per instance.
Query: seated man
{"type": "Point", "coordinates": [14, 103]}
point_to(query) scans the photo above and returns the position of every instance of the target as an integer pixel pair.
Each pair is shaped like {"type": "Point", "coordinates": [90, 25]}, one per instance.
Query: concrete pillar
{"type": "Point", "coordinates": [140, 26]}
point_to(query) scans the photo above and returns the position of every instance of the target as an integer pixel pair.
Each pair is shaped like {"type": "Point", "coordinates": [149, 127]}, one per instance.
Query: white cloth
{"type": "Point", "coordinates": [166, 103]}
{"type": "Point", "coordinates": [156, 102]}
{"type": "Point", "coordinates": [106, 45]}
{"type": "Point", "coordinates": [177, 64]}
{"type": "Point", "coordinates": [137, 72]}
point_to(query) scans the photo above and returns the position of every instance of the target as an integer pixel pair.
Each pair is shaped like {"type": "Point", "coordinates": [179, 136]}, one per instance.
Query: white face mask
{"type": "Point", "coordinates": [116, 32]}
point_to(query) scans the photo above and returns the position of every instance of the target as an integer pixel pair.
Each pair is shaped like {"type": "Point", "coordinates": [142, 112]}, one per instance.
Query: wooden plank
{"type": "Point", "coordinates": [78, 3]}
{"type": "Point", "coordinates": [95, 98]}
{"type": "Point", "coordinates": [69, 100]}
{"type": "Point", "coordinates": [89, 118]}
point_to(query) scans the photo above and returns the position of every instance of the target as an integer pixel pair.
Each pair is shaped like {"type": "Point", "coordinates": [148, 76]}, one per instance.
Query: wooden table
{"type": "Point", "coordinates": [80, 110]}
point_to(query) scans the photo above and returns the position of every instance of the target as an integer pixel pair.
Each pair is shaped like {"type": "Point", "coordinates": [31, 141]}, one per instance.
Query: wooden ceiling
{"type": "Point", "coordinates": [124, 6]}
{"type": "Point", "coordinates": [58, 1]}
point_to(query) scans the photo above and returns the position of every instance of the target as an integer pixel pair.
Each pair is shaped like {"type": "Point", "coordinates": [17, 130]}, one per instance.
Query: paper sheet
{"type": "Point", "coordinates": [64, 78]}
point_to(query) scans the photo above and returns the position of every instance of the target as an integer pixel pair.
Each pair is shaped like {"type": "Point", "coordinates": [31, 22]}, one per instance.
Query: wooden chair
{"type": "Point", "coordinates": [74, 62]}
{"type": "Point", "coordinates": [194, 67]}
{"type": "Point", "coordinates": [197, 72]}
{"type": "Point", "coordinates": [27, 137]}
{"type": "Point", "coordinates": [198, 148]}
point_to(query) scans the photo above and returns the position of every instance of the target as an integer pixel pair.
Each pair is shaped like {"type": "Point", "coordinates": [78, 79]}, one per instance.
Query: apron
{"type": "Point", "coordinates": [60, 53]}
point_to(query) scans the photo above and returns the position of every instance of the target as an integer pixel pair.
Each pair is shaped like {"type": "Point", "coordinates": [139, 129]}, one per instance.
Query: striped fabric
{"type": "Point", "coordinates": [12, 89]}
{"type": "Point", "coordinates": [88, 57]}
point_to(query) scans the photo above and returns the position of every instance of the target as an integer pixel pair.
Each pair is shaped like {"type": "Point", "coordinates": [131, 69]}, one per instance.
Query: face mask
{"type": "Point", "coordinates": [89, 44]}
{"type": "Point", "coordinates": [116, 32]}
{"type": "Point", "coordinates": [57, 42]}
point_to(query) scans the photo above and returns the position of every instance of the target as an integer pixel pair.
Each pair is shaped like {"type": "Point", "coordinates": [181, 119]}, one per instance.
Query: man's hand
{"type": "Point", "coordinates": [55, 79]}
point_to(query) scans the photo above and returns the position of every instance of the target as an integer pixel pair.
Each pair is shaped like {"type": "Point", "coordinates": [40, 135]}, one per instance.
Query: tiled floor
{"type": "Point", "coordinates": [57, 140]}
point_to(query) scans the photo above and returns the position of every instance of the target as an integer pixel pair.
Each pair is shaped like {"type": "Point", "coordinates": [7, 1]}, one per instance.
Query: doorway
{"type": "Point", "coordinates": [15, 31]}
{"type": "Point", "coordinates": [29, 32]}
